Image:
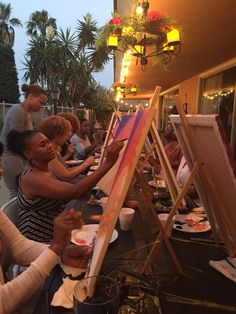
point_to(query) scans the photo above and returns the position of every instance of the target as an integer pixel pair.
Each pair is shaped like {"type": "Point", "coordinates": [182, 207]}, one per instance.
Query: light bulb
{"type": "Point", "coordinates": [139, 9]}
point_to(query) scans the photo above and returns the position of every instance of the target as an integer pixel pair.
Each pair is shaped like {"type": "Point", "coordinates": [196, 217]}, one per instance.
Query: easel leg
{"type": "Point", "coordinates": [162, 234]}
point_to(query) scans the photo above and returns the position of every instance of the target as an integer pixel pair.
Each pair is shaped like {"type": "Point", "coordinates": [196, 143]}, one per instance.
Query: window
{"type": "Point", "coordinates": [218, 97]}
{"type": "Point", "coordinates": [167, 107]}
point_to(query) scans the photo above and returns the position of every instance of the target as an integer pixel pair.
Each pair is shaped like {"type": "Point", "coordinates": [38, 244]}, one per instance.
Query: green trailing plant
{"type": "Point", "coordinates": [133, 30]}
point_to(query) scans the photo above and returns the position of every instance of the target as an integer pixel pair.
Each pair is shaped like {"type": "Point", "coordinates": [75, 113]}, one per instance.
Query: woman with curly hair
{"type": "Point", "coordinates": [19, 118]}
{"type": "Point", "coordinates": [67, 150]}
{"type": "Point", "coordinates": [58, 130]}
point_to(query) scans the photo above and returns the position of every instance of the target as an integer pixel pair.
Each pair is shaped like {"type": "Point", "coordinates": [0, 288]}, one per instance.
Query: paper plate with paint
{"type": "Point", "coordinates": [87, 233]}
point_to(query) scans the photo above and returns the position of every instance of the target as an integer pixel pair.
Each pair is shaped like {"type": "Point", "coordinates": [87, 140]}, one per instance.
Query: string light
{"type": "Point", "coordinates": [220, 93]}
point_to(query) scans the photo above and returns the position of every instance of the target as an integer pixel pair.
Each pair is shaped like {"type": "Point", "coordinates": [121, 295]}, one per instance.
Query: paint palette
{"type": "Point", "coordinates": [87, 233]}
{"type": "Point", "coordinates": [191, 223]}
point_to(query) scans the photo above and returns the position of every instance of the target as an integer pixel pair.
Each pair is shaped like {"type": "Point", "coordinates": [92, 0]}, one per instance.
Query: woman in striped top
{"type": "Point", "coordinates": [41, 195]}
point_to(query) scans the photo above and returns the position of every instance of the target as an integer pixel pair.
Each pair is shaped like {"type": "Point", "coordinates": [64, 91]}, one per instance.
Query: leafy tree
{"type": "Point", "coordinates": [39, 23]}
{"type": "Point", "coordinates": [7, 24]}
{"type": "Point", "coordinates": [67, 60]}
{"type": "Point", "coordinates": [9, 89]}
{"type": "Point", "coordinates": [101, 101]}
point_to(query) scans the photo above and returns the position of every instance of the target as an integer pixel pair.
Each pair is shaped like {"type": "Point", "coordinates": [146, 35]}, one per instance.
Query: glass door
{"type": "Point", "coordinates": [218, 97]}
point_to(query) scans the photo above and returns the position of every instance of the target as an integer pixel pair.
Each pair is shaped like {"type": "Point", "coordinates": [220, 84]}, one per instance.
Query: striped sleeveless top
{"type": "Point", "coordinates": [35, 217]}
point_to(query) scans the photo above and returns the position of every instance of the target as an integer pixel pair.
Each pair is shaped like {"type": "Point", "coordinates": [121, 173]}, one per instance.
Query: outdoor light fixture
{"type": "Point", "coordinates": [145, 34]}
{"type": "Point", "coordinates": [121, 90]}
{"type": "Point", "coordinates": [112, 41]}
{"type": "Point", "coordinates": [55, 93]}
{"type": "Point", "coordinates": [142, 8]}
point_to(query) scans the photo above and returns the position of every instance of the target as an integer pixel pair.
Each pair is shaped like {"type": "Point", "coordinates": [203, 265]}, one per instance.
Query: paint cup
{"type": "Point", "coordinates": [126, 218]}
{"type": "Point", "coordinates": [163, 218]}
{"type": "Point", "coordinates": [96, 295]}
{"type": "Point", "coordinates": [103, 202]}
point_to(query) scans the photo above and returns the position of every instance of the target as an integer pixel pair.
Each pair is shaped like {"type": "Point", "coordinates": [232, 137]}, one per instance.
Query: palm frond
{"type": "Point", "coordinates": [86, 31]}
{"type": "Point", "coordinates": [99, 57]}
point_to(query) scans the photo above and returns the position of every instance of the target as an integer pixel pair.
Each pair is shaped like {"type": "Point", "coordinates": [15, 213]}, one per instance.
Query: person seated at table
{"type": "Point", "coordinates": [182, 176]}
{"type": "Point", "coordinates": [172, 147]}
{"type": "Point", "coordinates": [16, 249]}
{"type": "Point", "coordinates": [67, 150]}
{"type": "Point", "coordinates": [58, 130]}
{"type": "Point", "coordinates": [41, 195]}
{"type": "Point", "coordinates": [81, 141]}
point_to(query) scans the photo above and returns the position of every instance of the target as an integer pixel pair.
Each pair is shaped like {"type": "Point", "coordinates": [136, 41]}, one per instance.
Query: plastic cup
{"type": "Point", "coordinates": [126, 218]}
{"type": "Point", "coordinates": [163, 218]}
{"type": "Point", "coordinates": [96, 295]}
{"type": "Point", "coordinates": [103, 202]}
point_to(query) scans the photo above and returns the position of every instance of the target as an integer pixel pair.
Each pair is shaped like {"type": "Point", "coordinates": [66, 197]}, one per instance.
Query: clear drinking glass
{"type": "Point", "coordinates": [96, 295]}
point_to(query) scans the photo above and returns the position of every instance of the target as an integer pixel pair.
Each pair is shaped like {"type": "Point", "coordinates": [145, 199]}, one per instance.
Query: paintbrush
{"type": "Point", "coordinates": [91, 256]}
{"type": "Point", "coordinates": [123, 140]}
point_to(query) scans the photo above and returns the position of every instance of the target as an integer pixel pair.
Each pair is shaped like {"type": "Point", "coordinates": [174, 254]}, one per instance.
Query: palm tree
{"type": "Point", "coordinates": [86, 31]}
{"type": "Point", "coordinates": [63, 60]}
{"type": "Point", "coordinates": [9, 89]}
{"type": "Point", "coordinates": [41, 60]}
{"type": "Point", "coordinates": [7, 24]}
{"type": "Point", "coordinates": [39, 23]}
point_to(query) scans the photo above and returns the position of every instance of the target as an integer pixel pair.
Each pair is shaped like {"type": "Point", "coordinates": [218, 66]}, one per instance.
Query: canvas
{"type": "Point", "coordinates": [121, 131]}
{"type": "Point", "coordinates": [121, 184]}
{"type": "Point", "coordinates": [215, 180]}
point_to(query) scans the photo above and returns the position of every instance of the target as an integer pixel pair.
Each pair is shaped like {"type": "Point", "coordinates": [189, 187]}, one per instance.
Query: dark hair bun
{"type": "Point", "coordinates": [25, 88]}
{"type": "Point", "coordinates": [17, 141]}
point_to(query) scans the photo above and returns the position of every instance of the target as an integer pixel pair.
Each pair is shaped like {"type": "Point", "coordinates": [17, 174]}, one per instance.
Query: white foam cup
{"type": "Point", "coordinates": [163, 218]}
{"type": "Point", "coordinates": [126, 218]}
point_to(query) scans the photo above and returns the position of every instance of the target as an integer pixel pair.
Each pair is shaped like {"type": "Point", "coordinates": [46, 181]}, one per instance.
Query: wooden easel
{"type": "Point", "coordinates": [177, 195]}
{"type": "Point", "coordinates": [115, 116]}
{"type": "Point", "coordinates": [162, 234]}
{"type": "Point", "coordinates": [211, 200]}
{"type": "Point", "coordinates": [121, 184]}
{"type": "Point", "coordinates": [120, 188]}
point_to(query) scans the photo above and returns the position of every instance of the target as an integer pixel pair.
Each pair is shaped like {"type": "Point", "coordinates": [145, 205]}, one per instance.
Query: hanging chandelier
{"type": "Point", "coordinates": [144, 34]}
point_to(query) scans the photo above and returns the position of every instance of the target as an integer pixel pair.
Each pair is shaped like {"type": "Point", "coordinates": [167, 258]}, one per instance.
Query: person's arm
{"type": "Point", "coordinates": [69, 152]}
{"type": "Point", "coordinates": [24, 251]}
{"type": "Point", "coordinates": [17, 291]}
{"type": "Point", "coordinates": [52, 188]}
{"type": "Point", "coordinates": [67, 174]}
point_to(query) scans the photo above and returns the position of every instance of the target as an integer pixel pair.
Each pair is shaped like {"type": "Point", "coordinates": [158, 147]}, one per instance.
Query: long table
{"type": "Point", "coordinates": [200, 290]}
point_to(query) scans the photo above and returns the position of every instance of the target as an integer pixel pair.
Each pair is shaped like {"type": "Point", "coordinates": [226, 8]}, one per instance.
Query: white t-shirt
{"type": "Point", "coordinates": [183, 172]}
{"type": "Point", "coordinates": [80, 144]}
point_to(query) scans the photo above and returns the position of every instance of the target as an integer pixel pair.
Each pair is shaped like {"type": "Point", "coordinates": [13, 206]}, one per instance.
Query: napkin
{"type": "Point", "coordinates": [74, 271]}
{"type": "Point", "coordinates": [64, 295]}
{"type": "Point", "coordinates": [227, 267]}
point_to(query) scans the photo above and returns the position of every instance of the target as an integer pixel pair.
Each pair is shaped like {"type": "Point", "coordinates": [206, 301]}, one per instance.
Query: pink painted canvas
{"type": "Point", "coordinates": [121, 131]}
{"type": "Point", "coordinates": [120, 186]}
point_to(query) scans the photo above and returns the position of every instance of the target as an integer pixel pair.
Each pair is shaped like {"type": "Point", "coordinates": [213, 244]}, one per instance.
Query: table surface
{"type": "Point", "coordinates": [127, 255]}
